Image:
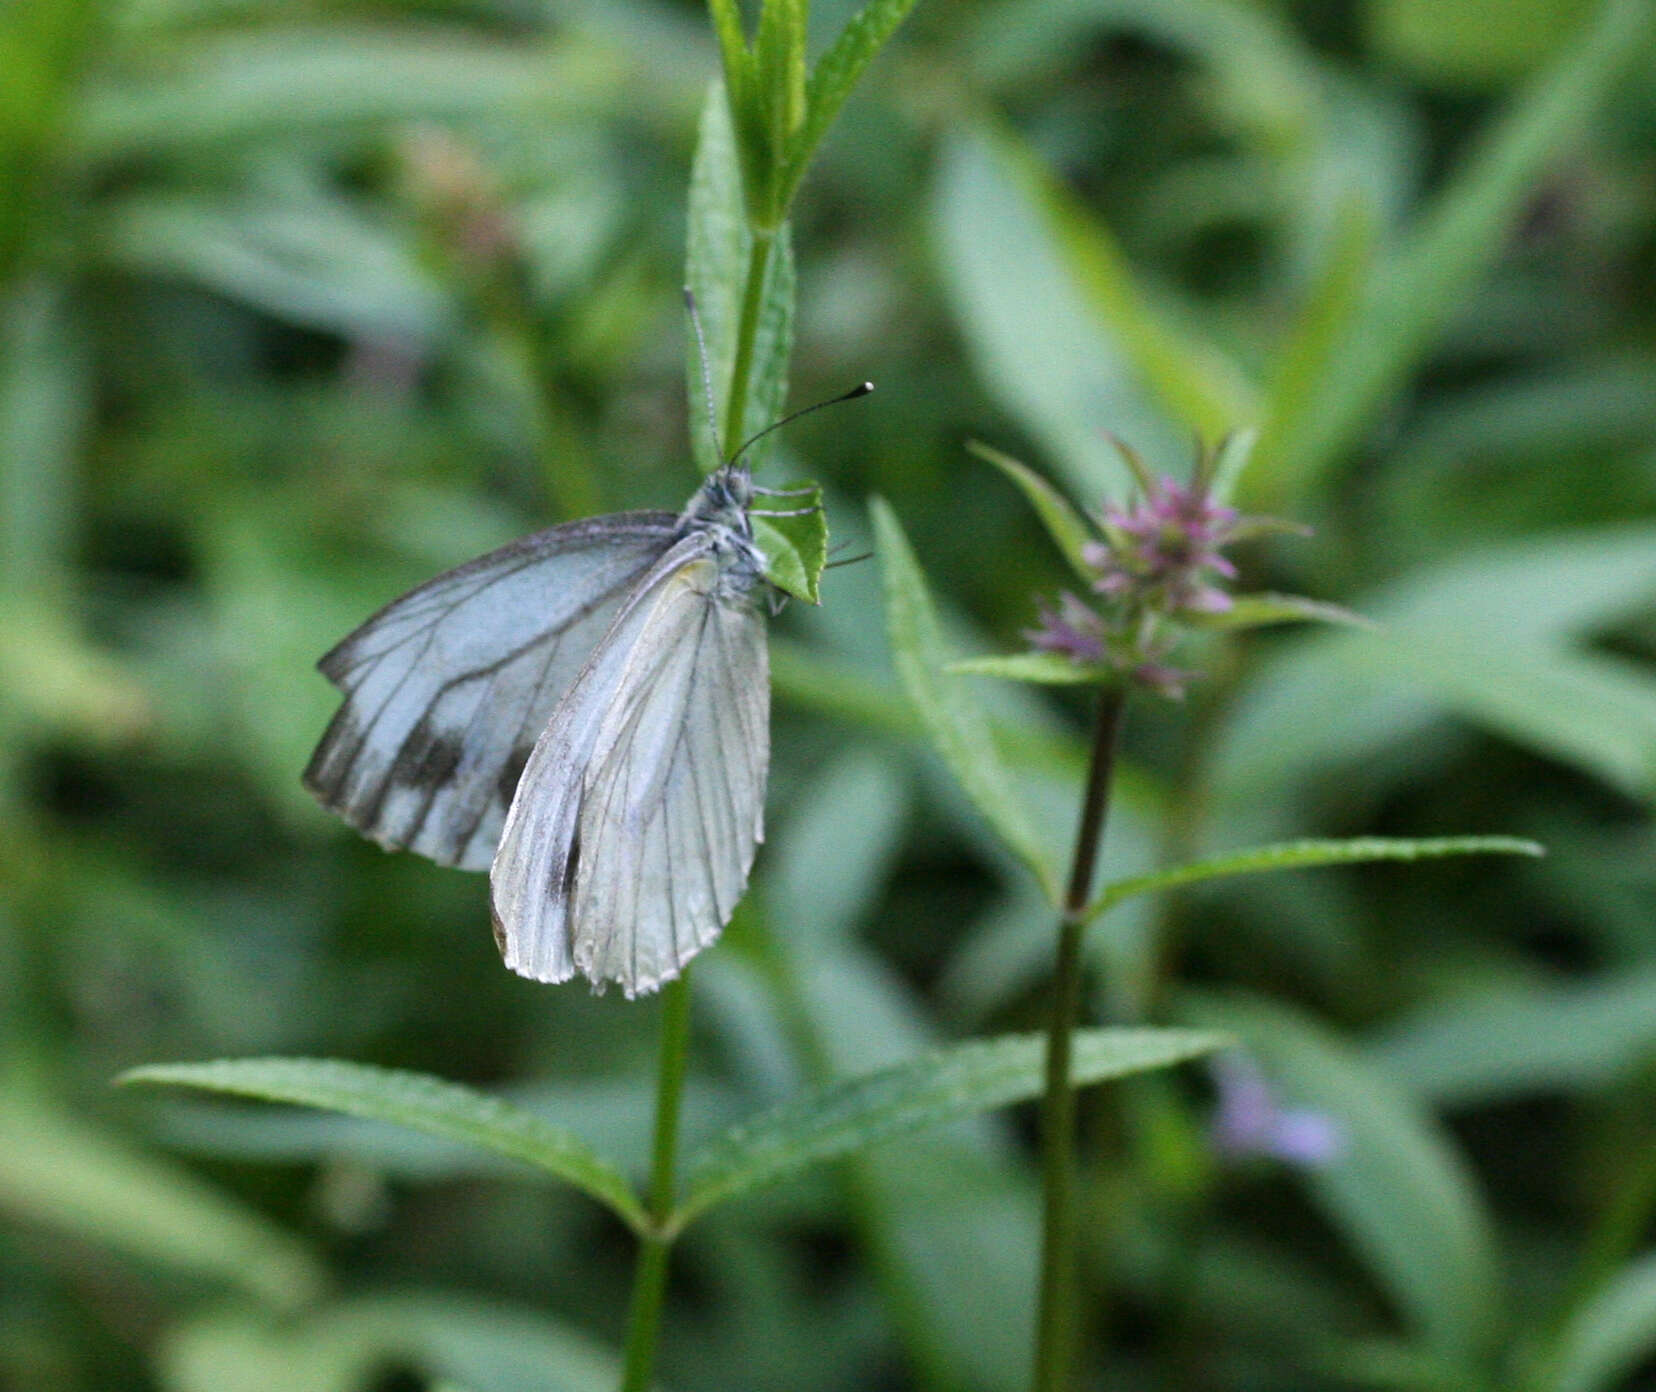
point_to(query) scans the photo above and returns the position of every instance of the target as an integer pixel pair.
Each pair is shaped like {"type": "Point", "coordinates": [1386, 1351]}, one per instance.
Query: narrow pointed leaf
{"type": "Point", "coordinates": [1197, 382]}
{"type": "Point", "coordinates": [256, 84]}
{"type": "Point", "coordinates": [1258, 610]}
{"type": "Point", "coordinates": [951, 1083]}
{"type": "Point", "coordinates": [415, 1100]}
{"type": "Point", "coordinates": [957, 726]}
{"type": "Point", "coordinates": [779, 81]}
{"type": "Point", "coordinates": [836, 73]}
{"type": "Point", "coordinates": [1302, 855]}
{"type": "Point", "coordinates": [1231, 458]}
{"type": "Point", "coordinates": [1067, 527]}
{"type": "Point", "coordinates": [733, 48]}
{"type": "Point", "coordinates": [1334, 301]}
{"type": "Point", "coordinates": [1515, 1039]}
{"type": "Point", "coordinates": [1046, 359]}
{"type": "Point", "coordinates": [1041, 668]}
{"type": "Point", "coordinates": [717, 255]}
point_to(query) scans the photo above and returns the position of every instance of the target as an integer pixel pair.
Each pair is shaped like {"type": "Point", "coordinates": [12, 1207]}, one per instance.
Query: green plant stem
{"type": "Point", "coordinates": [650, 1273]}
{"type": "Point", "coordinates": [1053, 1325]}
{"type": "Point", "coordinates": [747, 333]}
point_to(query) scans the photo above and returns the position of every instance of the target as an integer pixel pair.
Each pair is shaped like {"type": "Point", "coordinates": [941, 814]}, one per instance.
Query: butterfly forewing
{"type": "Point", "coordinates": [636, 820]}
{"type": "Point", "coordinates": [448, 687]}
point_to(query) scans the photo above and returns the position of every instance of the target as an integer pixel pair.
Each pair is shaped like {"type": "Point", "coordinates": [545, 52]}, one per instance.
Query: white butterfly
{"type": "Point", "coordinates": [596, 700]}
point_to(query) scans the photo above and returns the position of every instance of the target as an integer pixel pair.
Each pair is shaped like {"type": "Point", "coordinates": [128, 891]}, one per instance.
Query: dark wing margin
{"type": "Point", "coordinates": [448, 687]}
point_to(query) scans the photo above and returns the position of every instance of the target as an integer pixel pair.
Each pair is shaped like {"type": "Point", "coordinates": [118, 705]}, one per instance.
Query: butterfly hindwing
{"type": "Point", "coordinates": [637, 817]}
{"type": "Point", "coordinates": [447, 688]}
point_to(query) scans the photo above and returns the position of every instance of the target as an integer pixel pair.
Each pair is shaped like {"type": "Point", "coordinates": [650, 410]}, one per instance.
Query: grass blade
{"type": "Point", "coordinates": [958, 728]}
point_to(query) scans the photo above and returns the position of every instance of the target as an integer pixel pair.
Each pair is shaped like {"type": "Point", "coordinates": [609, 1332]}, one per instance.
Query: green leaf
{"type": "Point", "coordinates": [835, 74]}
{"type": "Point", "coordinates": [46, 408]}
{"type": "Point", "coordinates": [946, 1085]}
{"type": "Point", "coordinates": [719, 253]}
{"type": "Point", "coordinates": [958, 728]}
{"type": "Point", "coordinates": [1301, 855]}
{"type": "Point", "coordinates": [806, 679]}
{"type": "Point", "coordinates": [1491, 636]}
{"type": "Point", "coordinates": [1035, 347]}
{"type": "Point", "coordinates": [1231, 457]}
{"type": "Point", "coordinates": [62, 1174]}
{"type": "Point", "coordinates": [416, 1100]}
{"type": "Point", "coordinates": [1399, 1190]}
{"type": "Point", "coordinates": [1258, 610]}
{"type": "Point", "coordinates": [779, 94]}
{"type": "Point", "coordinates": [1610, 1335]}
{"type": "Point", "coordinates": [307, 257]}
{"type": "Point", "coordinates": [1451, 246]}
{"type": "Point", "coordinates": [1067, 527]}
{"type": "Point", "coordinates": [1196, 382]}
{"type": "Point", "coordinates": [1332, 305]}
{"type": "Point", "coordinates": [1041, 668]}
{"type": "Point", "coordinates": [258, 84]}
{"type": "Point", "coordinates": [1472, 43]}
{"type": "Point", "coordinates": [796, 548]}
{"type": "Point", "coordinates": [733, 47]}
{"type": "Point", "coordinates": [46, 48]}
{"type": "Point", "coordinates": [1592, 709]}
{"type": "Point", "coordinates": [1505, 1041]}
{"type": "Point", "coordinates": [341, 1345]}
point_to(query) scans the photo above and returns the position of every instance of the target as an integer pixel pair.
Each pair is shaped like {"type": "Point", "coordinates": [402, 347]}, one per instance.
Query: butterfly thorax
{"type": "Point", "coordinates": [719, 510]}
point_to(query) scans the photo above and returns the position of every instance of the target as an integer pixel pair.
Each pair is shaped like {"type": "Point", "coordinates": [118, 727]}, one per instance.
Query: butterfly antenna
{"type": "Point", "coordinates": [706, 373]}
{"type": "Point", "coordinates": [861, 389]}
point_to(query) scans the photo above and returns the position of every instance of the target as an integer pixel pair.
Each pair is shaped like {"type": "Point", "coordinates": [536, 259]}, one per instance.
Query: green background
{"type": "Point", "coordinates": [302, 303]}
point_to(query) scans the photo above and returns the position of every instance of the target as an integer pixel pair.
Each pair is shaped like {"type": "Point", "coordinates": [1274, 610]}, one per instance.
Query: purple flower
{"type": "Point", "coordinates": [1249, 1120]}
{"type": "Point", "coordinates": [1155, 567]}
{"type": "Point", "coordinates": [1071, 628]}
{"type": "Point", "coordinates": [1162, 552]}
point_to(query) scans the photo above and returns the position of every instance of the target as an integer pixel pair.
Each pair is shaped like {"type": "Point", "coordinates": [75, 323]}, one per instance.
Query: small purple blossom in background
{"type": "Point", "coordinates": [1249, 1120]}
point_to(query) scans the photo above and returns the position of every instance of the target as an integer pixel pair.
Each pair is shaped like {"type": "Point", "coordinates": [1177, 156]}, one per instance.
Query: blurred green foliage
{"type": "Point", "coordinates": [302, 302]}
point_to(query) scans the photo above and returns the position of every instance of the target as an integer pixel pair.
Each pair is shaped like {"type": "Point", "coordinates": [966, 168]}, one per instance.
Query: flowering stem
{"type": "Point", "coordinates": [1053, 1327]}
{"type": "Point", "coordinates": [650, 1273]}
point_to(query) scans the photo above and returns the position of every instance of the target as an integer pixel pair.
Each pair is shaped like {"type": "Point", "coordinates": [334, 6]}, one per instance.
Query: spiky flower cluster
{"type": "Point", "coordinates": [1159, 554]}
{"type": "Point", "coordinates": [1156, 563]}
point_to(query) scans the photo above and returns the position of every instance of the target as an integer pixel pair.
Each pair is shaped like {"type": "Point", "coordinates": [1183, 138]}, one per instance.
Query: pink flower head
{"type": "Point", "coordinates": [1162, 552]}
{"type": "Point", "coordinates": [1156, 566]}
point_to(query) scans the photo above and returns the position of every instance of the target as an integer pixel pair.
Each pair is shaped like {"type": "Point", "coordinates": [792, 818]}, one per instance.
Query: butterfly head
{"type": "Point", "coordinates": [722, 501]}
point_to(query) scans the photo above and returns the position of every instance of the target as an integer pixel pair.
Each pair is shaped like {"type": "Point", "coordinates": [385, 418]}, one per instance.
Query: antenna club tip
{"type": "Point", "coordinates": [865, 388]}
{"type": "Point", "coordinates": [689, 297]}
